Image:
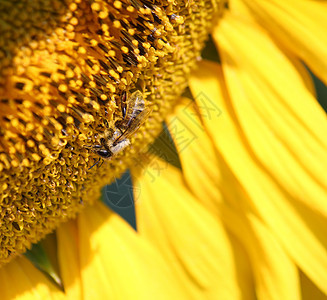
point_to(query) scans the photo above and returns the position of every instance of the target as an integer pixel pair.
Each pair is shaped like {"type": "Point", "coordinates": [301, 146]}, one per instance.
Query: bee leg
{"type": "Point", "coordinates": [93, 147]}
{"type": "Point", "coordinates": [95, 164]}
{"type": "Point", "coordinates": [101, 163]}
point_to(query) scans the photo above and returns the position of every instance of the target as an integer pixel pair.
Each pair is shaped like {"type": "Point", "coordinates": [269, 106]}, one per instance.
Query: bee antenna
{"type": "Point", "coordinates": [95, 164]}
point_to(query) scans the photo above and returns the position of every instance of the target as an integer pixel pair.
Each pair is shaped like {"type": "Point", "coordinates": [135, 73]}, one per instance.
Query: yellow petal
{"type": "Point", "coordinates": [275, 274]}
{"type": "Point", "coordinates": [192, 241]}
{"type": "Point", "coordinates": [267, 195]}
{"type": "Point", "coordinates": [100, 257]}
{"type": "Point", "coordinates": [21, 280]}
{"type": "Point", "coordinates": [196, 152]}
{"type": "Point", "coordinates": [205, 174]}
{"type": "Point", "coordinates": [242, 13]}
{"type": "Point", "coordinates": [68, 257]}
{"type": "Point", "coordinates": [244, 269]}
{"type": "Point", "coordinates": [298, 25]}
{"type": "Point", "coordinates": [309, 290]}
{"type": "Point", "coordinates": [116, 263]}
{"type": "Point", "coordinates": [282, 122]}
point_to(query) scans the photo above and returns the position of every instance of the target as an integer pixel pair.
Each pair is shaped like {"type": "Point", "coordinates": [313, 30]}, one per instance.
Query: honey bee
{"type": "Point", "coordinates": [107, 149]}
{"type": "Point", "coordinates": [134, 114]}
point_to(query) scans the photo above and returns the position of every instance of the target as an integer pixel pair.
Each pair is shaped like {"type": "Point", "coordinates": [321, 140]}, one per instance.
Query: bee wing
{"type": "Point", "coordinates": [134, 125]}
{"type": "Point", "coordinates": [136, 97]}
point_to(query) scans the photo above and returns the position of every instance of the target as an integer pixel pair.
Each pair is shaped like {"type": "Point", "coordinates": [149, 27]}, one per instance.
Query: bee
{"type": "Point", "coordinates": [106, 150]}
{"type": "Point", "coordinates": [134, 114]}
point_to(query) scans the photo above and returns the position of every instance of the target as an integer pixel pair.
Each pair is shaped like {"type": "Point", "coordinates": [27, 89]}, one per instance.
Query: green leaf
{"type": "Point", "coordinates": [38, 256]}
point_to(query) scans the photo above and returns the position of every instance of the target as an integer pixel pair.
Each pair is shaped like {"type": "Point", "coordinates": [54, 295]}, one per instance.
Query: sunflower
{"type": "Point", "coordinates": [241, 214]}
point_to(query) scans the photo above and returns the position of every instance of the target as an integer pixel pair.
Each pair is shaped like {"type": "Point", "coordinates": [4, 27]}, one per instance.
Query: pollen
{"type": "Point", "coordinates": [63, 71]}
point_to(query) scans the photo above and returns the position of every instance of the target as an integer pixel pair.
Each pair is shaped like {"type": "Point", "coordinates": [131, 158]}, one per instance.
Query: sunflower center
{"type": "Point", "coordinates": [79, 82]}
